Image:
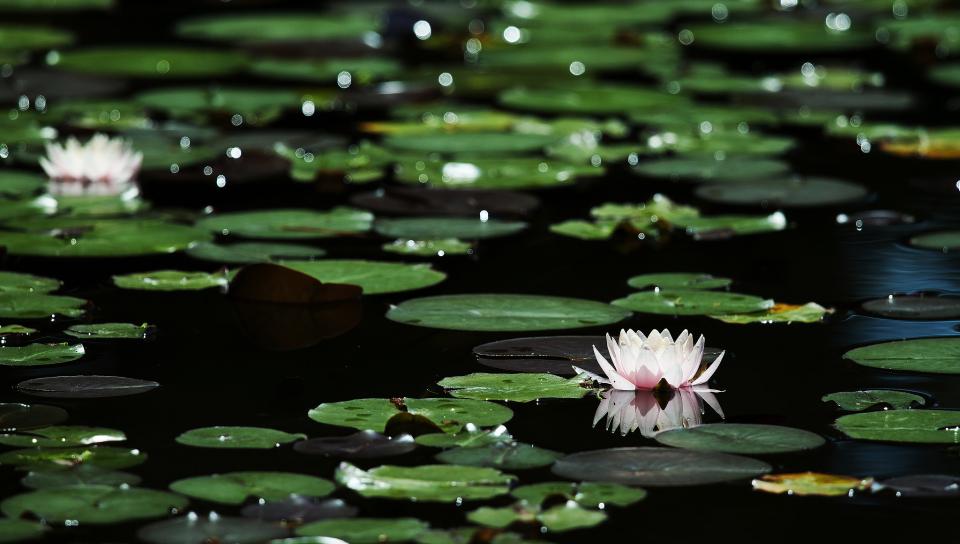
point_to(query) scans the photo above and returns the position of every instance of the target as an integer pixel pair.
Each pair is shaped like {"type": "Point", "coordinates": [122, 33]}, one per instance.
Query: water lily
{"type": "Point", "coordinates": [648, 362]}
{"type": "Point", "coordinates": [102, 166]}
{"type": "Point", "coordinates": [629, 411]}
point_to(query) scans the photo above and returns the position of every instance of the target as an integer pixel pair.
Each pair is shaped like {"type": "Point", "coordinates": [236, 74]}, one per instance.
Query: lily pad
{"type": "Point", "coordinates": [947, 240]}
{"type": "Point", "coordinates": [152, 62]}
{"type": "Point", "coordinates": [65, 436]}
{"type": "Point", "coordinates": [85, 387]}
{"type": "Point", "coordinates": [812, 483]}
{"type": "Point", "coordinates": [256, 106]}
{"type": "Point", "coordinates": [17, 330]}
{"type": "Point", "coordinates": [708, 168]}
{"type": "Point", "coordinates": [416, 201]}
{"type": "Point", "coordinates": [560, 518]}
{"type": "Point", "coordinates": [783, 36]}
{"type": "Point", "coordinates": [469, 437]}
{"type": "Point", "coordinates": [374, 277]}
{"type": "Point", "coordinates": [597, 99]}
{"type": "Point", "coordinates": [361, 445]}
{"type": "Point", "coordinates": [429, 248]}
{"type": "Point", "coordinates": [235, 487]}
{"type": "Point", "coordinates": [40, 354]}
{"type": "Point", "coordinates": [923, 486]}
{"type": "Point", "coordinates": [366, 530]}
{"type": "Point", "coordinates": [657, 467]}
{"type": "Point", "coordinates": [18, 282]}
{"type": "Point", "coordinates": [298, 510]}
{"type": "Point", "coordinates": [424, 228]}
{"type": "Point", "coordinates": [54, 5]}
{"type": "Point", "coordinates": [510, 456]}
{"type": "Point", "coordinates": [82, 475]}
{"type": "Point", "coordinates": [172, 280]}
{"type": "Point", "coordinates": [360, 70]}
{"type": "Point", "coordinates": [20, 184]}
{"type": "Point", "coordinates": [799, 192]}
{"type": "Point", "coordinates": [587, 494]}
{"type": "Point", "coordinates": [93, 504]}
{"type": "Point", "coordinates": [52, 459]}
{"type": "Point", "coordinates": [478, 143]}
{"type": "Point", "coordinates": [194, 529]}
{"type": "Point", "coordinates": [252, 252]}
{"type": "Point", "coordinates": [857, 401]}
{"type": "Point", "coordinates": [503, 312]}
{"type": "Point", "coordinates": [278, 27]}
{"type": "Point", "coordinates": [15, 416]}
{"type": "Point", "coordinates": [741, 438]}
{"type": "Point", "coordinates": [430, 483]}
{"type": "Point", "coordinates": [692, 302]}
{"type": "Point", "coordinates": [678, 280]}
{"type": "Point", "coordinates": [82, 237]}
{"type": "Point", "coordinates": [916, 426]}
{"type": "Point", "coordinates": [96, 331]}
{"type": "Point", "coordinates": [934, 355]}
{"type": "Point", "coordinates": [450, 415]}
{"type": "Point", "coordinates": [485, 173]}
{"type": "Point", "coordinates": [20, 530]}
{"type": "Point", "coordinates": [513, 387]}
{"type": "Point", "coordinates": [915, 307]}
{"type": "Point", "coordinates": [292, 224]}
{"type": "Point", "coordinates": [237, 438]}
{"type": "Point", "coordinates": [27, 37]}
{"type": "Point", "coordinates": [33, 306]}
{"type": "Point", "coordinates": [810, 312]}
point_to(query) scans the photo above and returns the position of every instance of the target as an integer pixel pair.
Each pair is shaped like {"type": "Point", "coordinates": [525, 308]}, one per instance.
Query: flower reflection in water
{"type": "Point", "coordinates": [651, 412]}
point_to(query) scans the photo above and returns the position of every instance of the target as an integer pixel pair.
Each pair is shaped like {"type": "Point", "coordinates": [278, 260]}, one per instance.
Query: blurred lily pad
{"type": "Point", "coordinates": [15, 416]}
{"type": "Point", "coordinates": [80, 475]}
{"type": "Point", "coordinates": [237, 438]}
{"type": "Point", "coordinates": [935, 355]}
{"type": "Point", "coordinates": [354, 71]}
{"type": "Point", "coordinates": [19, 184]}
{"type": "Point", "coordinates": [279, 27]}
{"type": "Point", "coordinates": [782, 36]}
{"type": "Point", "coordinates": [26, 283]}
{"type": "Point", "coordinates": [26, 37]}
{"type": "Point", "coordinates": [478, 143]}
{"type": "Point", "coordinates": [360, 445]}
{"type": "Point", "coordinates": [507, 456]}
{"type": "Point", "coordinates": [587, 494]}
{"type": "Point", "coordinates": [365, 530]}
{"type": "Point", "coordinates": [235, 487]}
{"type": "Point", "coordinates": [40, 354]}
{"type": "Point", "coordinates": [944, 241]}
{"type": "Point", "coordinates": [82, 237]}
{"type": "Point", "coordinates": [425, 483]}
{"type": "Point", "coordinates": [593, 99]}
{"type": "Point", "coordinates": [426, 228]}
{"type": "Point", "coordinates": [798, 192]}
{"type": "Point", "coordinates": [152, 62]}
{"type": "Point", "coordinates": [52, 459]}
{"type": "Point", "coordinates": [93, 504]}
{"type": "Point", "coordinates": [214, 528]}
{"type": "Point", "coordinates": [252, 252]}
{"type": "Point", "coordinates": [857, 401]}
{"type": "Point", "coordinates": [20, 530]}
{"type": "Point", "coordinates": [256, 106]}
{"type": "Point", "coordinates": [920, 306]}
{"type": "Point", "coordinates": [288, 223]}
{"type": "Point", "coordinates": [486, 173]}
{"type": "Point", "coordinates": [810, 312]}
{"type": "Point", "coordinates": [560, 518]}
{"type": "Point", "coordinates": [429, 248]}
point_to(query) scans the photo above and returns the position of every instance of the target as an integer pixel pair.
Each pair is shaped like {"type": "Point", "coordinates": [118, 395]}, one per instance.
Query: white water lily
{"type": "Point", "coordinates": [647, 362]}
{"type": "Point", "coordinates": [629, 411]}
{"type": "Point", "coordinates": [102, 166]}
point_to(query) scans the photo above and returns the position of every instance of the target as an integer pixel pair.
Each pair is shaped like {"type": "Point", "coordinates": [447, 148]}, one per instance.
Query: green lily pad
{"type": "Point", "coordinates": [20, 530]}
{"type": "Point", "coordinates": [560, 518]}
{"type": "Point", "coordinates": [448, 414]}
{"type": "Point", "coordinates": [257, 106]}
{"type": "Point", "coordinates": [513, 387]}
{"type": "Point", "coordinates": [363, 530]}
{"type": "Point", "coordinates": [587, 494]}
{"type": "Point", "coordinates": [151, 62]}
{"type": "Point", "coordinates": [918, 426]}
{"type": "Point", "coordinates": [172, 280]}
{"type": "Point", "coordinates": [692, 302]}
{"type": "Point", "coordinates": [934, 355]}
{"type": "Point", "coordinates": [52, 459]}
{"type": "Point", "coordinates": [784, 36]}
{"type": "Point", "coordinates": [110, 330]}
{"type": "Point", "coordinates": [471, 437]}
{"type": "Point", "coordinates": [799, 192]}
{"type": "Point", "coordinates": [478, 143]}
{"type": "Point", "coordinates": [502, 312]}
{"type": "Point", "coordinates": [718, 142]}
{"type": "Point", "coordinates": [484, 173]}
{"type": "Point", "coordinates": [26, 37]}
{"type": "Point", "coordinates": [212, 528]}
{"type": "Point", "coordinates": [82, 237]}
{"type": "Point", "coordinates": [947, 240]}
{"type": "Point", "coordinates": [40, 354]}
{"type": "Point", "coordinates": [361, 70]}
{"type": "Point", "coordinates": [80, 475]}
{"type": "Point", "coordinates": [741, 438]}
{"type": "Point", "coordinates": [708, 168]}
{"type": "Point", "coordinates": [430, 483]}
{"type": "Point", "coordinates": [420, 228]}
{"type": "Point", "coordinates": [26, 283]}
{"type": "Point", "coordinates": [54, 5]}
{"type": "Point", "coordinates": [374, 277]}
{"type": "Point", "coordinates": [235, 487]}
{"type": "Point", "coordinates": [93, 504]}
{"type": "Point", "coordinates": [257, 438]}
{"type": "Point", "coordinates": [606, 99]}
{"type": "Point", "coordinates": [278, 27]}
{"type": "Point", "coordinates": [429, 248]}
{"type": "Point", "coordinates": [252, 252]}
{"type": "Point", "coordinates": [64, 436]}
{"type": "Point", "coordinates": [512, 456]}
{"type": "Point", "coordinates": [16, 329]}
{"type": "Point", "coordinates": [21, 184]}
{"type": "Point", "coordinates": [289, 223]}
{"type": "Point", "coordinates": [810, 312]}
{"type": "Point", "coordinates": [678, 280]}
{"type": "Point", "coordinates": [857, 401]}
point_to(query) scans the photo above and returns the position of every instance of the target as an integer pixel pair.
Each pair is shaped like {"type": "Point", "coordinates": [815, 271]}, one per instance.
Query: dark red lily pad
{"type": "Point", "coordinates": [85, 387]}
{"type": "Point", "coordinates": [360, 445]}
{"type": "Point", "coordinates": [265, 282]}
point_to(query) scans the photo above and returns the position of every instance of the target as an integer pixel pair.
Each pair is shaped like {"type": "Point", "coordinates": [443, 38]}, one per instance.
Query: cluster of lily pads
{"type": "Point", "coordinates": [428, 161]}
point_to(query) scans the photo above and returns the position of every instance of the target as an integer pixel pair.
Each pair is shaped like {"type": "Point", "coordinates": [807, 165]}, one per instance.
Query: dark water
{"type": "Point", "coordinates": [214, 370]}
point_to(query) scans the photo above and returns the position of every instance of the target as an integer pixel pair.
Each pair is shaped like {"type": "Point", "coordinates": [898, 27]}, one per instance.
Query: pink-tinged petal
{"type": "Point", "coordinates": [645, 379]}
{"type": "Point", "coordinates": [616, 380]}
{"type": "Point", "coordinates": [708, 373]}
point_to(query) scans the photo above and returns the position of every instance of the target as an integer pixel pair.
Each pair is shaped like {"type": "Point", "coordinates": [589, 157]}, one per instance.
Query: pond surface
{"type": "Point", "coordinates": [567, 148]}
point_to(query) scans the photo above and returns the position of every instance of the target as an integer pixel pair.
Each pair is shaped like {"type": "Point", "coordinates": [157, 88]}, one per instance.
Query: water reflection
{"type": "Point", "coordinates": [652, 412]}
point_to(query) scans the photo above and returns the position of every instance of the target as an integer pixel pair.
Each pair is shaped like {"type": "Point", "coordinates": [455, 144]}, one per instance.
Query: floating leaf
{"type": "Point", "coordinates": [486, 174]}
{"type": "Point", "coordinates": [361, 445]}
{"type": "Point", "coordinates": [513, 387]}
{"type": "Point", "coordinates": [252, 252]}
{"type": "Point", "coordinates": [588, 494]}
{"type": "Point", "coordinates": [365, 530]}
{"type": "Point", "coordinates": [454, 227]}
{"type": "Point", "coordinates": [923, 486]}
{"type": "Point", "coordinates": [657, 467]}
{"type": "Point", "coordinates": [85, 387]}
{"type": "Point", "coordinates": [15, 416]}
{"type": "Point", "coordinates": [448, 414]}
{"type": "Point", "coordinates": [478, 143]}
{"type": "Point", "coordinates": [17, 282]}
{"type": "Point", "coordinates": [501, 312]}
{"type": "Point", "coordinates": [237, 438]}
{"type": "Point", "coordinates": [431, 483]}
{"type": "Point", "coordinates": [798, 192]}
{"type": "Point", "coordinates": [564, 517]}
{"type": "Point", "coordinates": [235, 487]}
{"type": "Point", "coordinates": [692, 302]}
{"type": "Point", "coordinates": [292, 27]}
{"type": "Point", "coordinates": [32, 306]}
{"type": "Point", "coordinates": [857, 401]}
{"type": "Point", "coordinates": [812, 483]}
{"type": "Point", "coordinates": [15, 329]}
{"type": "Point", "coordinates": [920, 426]}
{"type": "Point", "coordinates": [429, 248]}
{"type": "Point", "coordinates": [360, 70]}
{"type": "Point", "coordinates": [62, 437]}
{"type": "Point", "coordinates": [678, 280]}
{"type": "Point", "coordinates": [151, 62]}
{"type": "Point", "coordinates": [593, 99]}
{"type": "Point", "coordinates": [80, 475]}
{"type": "Point", "coordinates": [110, 330]}
{"type": "Point", "coordinates": [291, 224]}
{"type": "Point", "coordinates": [49, 459]}
{"type": "Point", "coordinates": [945, 241]}
{"type": "Point", "coordinates": [810, 312]}
{"type": "Point", "coordinates": [298, 510]}
{"type": "Point", "coordinates": [93, 504]}
{"type": "Point", "coordinates": [418, 201]}
{"type": "Point", "coordinates": [470, 437]}
{"type": "Point", "coordinates": [19, 530]}
{"type": "Point", "coordinates": [83, 237]}
{"type": "Point", "coordinates": [40, 354]}
{"type": "Point", "coordinates": [256, 106]}
{"type": "Point", "coordinates": [934, 355]}
{"type": "Point", "coordinates": [708, 168]}
{"type": "Point", "coordinates": [915, 307]}
{"type": "Point", "coordinates": [374, 277]}
{"type": "Point", "coordinates": [28, 37]}
{"type": "Point", "coordinates": [508, 456]}
{"type": "Point", "coordinates": [740, 438]}
{"type": "Point", "coordinates": [779, 35]}
{"type": "Point", "coordinates": [171, 280]}
{"type": "Point", "coordinates": [214, 528]}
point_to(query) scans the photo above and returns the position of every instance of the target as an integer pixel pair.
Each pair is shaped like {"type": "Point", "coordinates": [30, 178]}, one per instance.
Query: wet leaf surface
{"type": "Point", "coordinates": [450, 415]}
{"type": "Point", "coordinates": [920, 426]}
{"type": "Point", "coordinates": [192, 528]}
{"type": "Point", "coordinates": [236, 487]}
{"type": "Point", "coordinates": [85, 387]}
{"type": "Point", "coordinates": [935, 355]}
{"type": "Point", "coordinates": [430, 483]}
{"type": "Point", "coordinates": [743, 438]}
{"type": "Point", "coordinates": [237, 438]}
{"type": "Point", "coordinates": [857, 401]}
{"type": "Point", "coordinates": [40, 354]}
{"type": "Point", "coordinates": [361, 445]}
